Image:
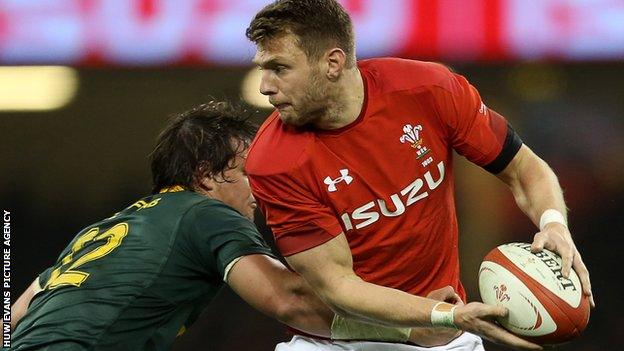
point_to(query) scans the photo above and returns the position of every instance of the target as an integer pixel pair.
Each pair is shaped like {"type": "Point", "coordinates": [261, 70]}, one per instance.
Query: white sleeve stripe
{"type": "Point", "coordinates": [229, 267]}
{"type": "Point", "coordinates": [37, 288]}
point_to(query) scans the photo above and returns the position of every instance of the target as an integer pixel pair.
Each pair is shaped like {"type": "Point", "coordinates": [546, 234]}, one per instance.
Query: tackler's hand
{"type": "Point", "coordinates": [446, 294]}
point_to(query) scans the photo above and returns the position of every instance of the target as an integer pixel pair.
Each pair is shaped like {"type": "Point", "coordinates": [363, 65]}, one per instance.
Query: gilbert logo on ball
{"type": "Point", "coordinates": [544, 307]}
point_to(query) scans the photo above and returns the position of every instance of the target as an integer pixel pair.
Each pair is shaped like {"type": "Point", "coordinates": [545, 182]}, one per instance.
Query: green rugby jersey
{"type": "Point", "coordinates": [135, 280]}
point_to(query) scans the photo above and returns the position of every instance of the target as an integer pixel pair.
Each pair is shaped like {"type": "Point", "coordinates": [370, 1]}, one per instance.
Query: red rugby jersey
{"type": "Point", "coordinates": [385, 180]}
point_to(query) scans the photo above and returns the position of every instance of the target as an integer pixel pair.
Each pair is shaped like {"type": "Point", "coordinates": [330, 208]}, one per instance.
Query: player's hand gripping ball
{"type": "Point", "coordinates": [544, 307]}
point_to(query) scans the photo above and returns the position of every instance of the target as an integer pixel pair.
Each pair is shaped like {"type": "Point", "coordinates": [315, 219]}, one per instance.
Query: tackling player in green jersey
{"type": "Point", "coordinates": [136, 280]}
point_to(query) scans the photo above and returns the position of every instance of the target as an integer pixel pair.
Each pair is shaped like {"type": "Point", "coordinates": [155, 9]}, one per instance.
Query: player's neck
{"type": "Point", "coordinates": [347, 104]}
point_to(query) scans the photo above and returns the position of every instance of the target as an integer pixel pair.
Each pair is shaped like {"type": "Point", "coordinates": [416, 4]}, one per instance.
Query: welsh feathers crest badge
{"type": "Point", "coordinates": [412, 136]}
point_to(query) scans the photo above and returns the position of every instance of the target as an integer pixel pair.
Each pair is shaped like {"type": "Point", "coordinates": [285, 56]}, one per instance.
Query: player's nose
{"type": "Point", "coordinates": [267, 84]}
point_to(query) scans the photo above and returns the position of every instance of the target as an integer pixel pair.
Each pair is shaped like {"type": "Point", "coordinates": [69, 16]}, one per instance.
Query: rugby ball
{"type": "Point", "coordinates": [544, 307]}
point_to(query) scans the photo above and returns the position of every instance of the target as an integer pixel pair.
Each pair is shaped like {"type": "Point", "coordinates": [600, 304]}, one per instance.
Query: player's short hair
{"type": "Point", "coordinates": [203, 141]}
{"type": "Point", "coordinates": [319, 25]}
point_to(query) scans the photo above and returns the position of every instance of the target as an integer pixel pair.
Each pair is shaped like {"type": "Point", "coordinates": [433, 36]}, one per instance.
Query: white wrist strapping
{"type": "Point", "coordinates": [442, 315]}
{"type": "Point", "coordinates": [348, 329]}
{"type": "Point", "coordinates": [550, 216]}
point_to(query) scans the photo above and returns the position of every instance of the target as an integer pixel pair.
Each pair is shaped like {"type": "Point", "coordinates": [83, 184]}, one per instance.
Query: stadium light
{"type": "Point", "coordinates": [250, 89]}
{"type": "Point", "coordinates": [36, 88]}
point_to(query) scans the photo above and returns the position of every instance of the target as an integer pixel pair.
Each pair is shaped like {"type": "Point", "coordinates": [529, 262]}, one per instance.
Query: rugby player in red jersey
{"type": "Point", "coordinates": [354, 174]}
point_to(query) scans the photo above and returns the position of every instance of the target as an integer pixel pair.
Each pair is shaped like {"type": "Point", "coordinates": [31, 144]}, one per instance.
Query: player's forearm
{"type": "Point", "coordinates": [302, 309]}
{"type": "Point", "coordinates": [534, 185]}
{"type": "Point", "coordinates": [19, 308]}
{"type": "Point", "coordinates": [328, 268]}
{"type": "Point", "coordinates": [298, 306]}
{"type": "Point", "coordinates": [374, 303]}
{"type": "Point", "coordinates": [305, 311]}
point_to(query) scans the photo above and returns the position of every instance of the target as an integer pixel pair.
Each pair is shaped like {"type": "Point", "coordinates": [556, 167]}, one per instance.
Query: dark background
{"type": "Point", "coordinates": [64, 169]}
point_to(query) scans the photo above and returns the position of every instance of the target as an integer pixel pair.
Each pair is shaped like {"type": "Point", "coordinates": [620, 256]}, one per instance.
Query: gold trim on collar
{"type": "Point", "coordinates": [172, 189]}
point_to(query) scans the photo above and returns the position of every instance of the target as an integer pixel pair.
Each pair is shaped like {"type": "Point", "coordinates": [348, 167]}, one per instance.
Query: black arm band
{"type": "Point", "coordinates": [510, 149]}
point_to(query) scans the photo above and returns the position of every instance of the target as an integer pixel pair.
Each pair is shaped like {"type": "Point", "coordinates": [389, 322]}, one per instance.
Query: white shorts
{"type": "Point", "coordinates": [465, 342]}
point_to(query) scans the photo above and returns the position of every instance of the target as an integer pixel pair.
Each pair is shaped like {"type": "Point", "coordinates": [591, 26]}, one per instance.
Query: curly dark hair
{"type": "Point", "coordinates": [318, 25]}
{"type": "Point", "coordinates": [203, 141]}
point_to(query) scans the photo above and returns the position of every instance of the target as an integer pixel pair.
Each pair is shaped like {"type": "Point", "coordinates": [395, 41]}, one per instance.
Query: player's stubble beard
{"type": "Point", "coordinates": [316, 103]}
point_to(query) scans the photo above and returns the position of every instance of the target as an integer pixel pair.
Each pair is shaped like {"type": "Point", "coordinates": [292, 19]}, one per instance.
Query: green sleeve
{"type": "Point", "coordinates": [223, 235]}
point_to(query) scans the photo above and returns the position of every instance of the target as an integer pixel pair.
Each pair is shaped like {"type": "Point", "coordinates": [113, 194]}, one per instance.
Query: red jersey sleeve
{"type": "Point", "coordinates": [284, 190]}
{"type": "Point", "coordinates": [298, 220]}
{"type": "Point", "coordinates": [476, 132]}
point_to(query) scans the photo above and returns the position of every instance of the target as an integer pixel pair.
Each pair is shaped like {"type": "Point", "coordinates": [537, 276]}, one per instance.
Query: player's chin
{"type": "Point", "coordinates": [290, 118]}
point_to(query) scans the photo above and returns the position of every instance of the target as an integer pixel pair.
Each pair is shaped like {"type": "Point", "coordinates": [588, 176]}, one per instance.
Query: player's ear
{"type": "Point", "coordinates": [206, 184]}
{"type": "Point", "coordinates": [336, 60]}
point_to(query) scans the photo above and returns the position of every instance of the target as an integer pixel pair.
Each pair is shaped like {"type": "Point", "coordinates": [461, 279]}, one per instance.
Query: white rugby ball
{"type": "Point", "coordinates": [544, 307]}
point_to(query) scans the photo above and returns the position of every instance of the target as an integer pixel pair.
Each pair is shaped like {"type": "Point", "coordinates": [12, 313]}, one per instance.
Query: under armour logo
{"type": "Point", "coordinates": [344, 177]}
{"type": "Point", "coordinates": [482, 109]}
